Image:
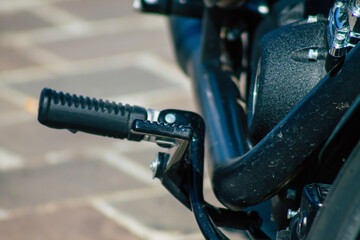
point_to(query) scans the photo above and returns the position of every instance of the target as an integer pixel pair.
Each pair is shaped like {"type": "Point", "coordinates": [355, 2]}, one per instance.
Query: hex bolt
{"type": "Point", "coordinates": [338, 4]}
{"type": "Point", "coordinates": [170, 118]}
{"type": "Point", "coordinates": [312, 19]}
{"type": "Point", "coordinates": [313, 54]}
{"type": "Point", "coordinates": [263, 9]}
{"type": "Point", "coordinates": [137, 5]}
{"type": "Point", "coordinates": [154, 166]}
{"type": "Point", "coordinates": [340, 36]}
{"type": "Point", "coordinates": [157, 166]}
{"type": "Point", "coordinates": [291, 213]}
{"type": "Point", "coordinates": [151, 2]}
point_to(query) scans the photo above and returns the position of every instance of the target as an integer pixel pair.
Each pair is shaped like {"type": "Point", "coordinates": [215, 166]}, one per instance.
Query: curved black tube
{"type": "Point", "coordinates": [257, 175]}
{"type": "Point", "coordinates": [216, 93]}
{"type": "Point", "coordinates": [241, 178]}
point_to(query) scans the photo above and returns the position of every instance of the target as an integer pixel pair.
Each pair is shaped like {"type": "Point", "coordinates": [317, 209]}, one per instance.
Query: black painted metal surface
{"type": "Point", "coordinates": [343, 139]}
{"type": "Point", "coordinates": [284, 69]}
{"type": "Point", "coordinates": [283, 150]}
{"type": "Point", "coordinates": [240, 180]}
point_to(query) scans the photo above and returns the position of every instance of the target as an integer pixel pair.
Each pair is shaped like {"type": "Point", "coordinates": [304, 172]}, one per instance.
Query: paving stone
{"type": "Point", "coordinates": [52, 183]}
{"type": "Point", "coordinates": [40, 183]}
{"type": "Point", "coordinates": [33, 139]}
{"type": "Point", "coordinates": [97, 10]}
{"type": "Point", "coordinates": [6, 106]}
{"type": "Point", "coordinates": [77, 223]}
{"type": "Point", "coordinates": [21, 20]}
{"type": "Point", "coordinates": [113, 82]}
{"type": "Point", "coordinates": [144, 157]}
{"type": "Point", "coordinates": [186, 102]}
{"type": "Point", "coordinates": [11, 59]}
{"type": "Point", "coordinates": [162, 213]}
{"type": "Point", "coordinates": [110, 44]}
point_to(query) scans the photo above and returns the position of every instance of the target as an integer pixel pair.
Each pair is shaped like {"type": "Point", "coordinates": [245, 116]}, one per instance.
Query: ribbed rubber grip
{"type": "Point", "coordinates": [78, 113]}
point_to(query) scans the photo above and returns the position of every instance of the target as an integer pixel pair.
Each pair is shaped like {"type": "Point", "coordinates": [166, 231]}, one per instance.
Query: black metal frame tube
{"type": "Point", "coordinates": [238, 179]}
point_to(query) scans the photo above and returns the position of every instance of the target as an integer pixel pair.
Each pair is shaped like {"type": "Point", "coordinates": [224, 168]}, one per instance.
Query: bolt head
{"type": "Point", "coordinates": [170, 118]}
{"type": "Point", "coordinates": [340, 36]}
{"type": "Point", "coordinates": [151, 2]}
{"type": "Point", "coordinates": [291, 213]}
{"type": "Point", "coordinates": [313, 54]}
{"type": "Point", "coordinates": [153, 165]}
{"type": "Point", "coordinates": [137, 5]}
{"type": "Point", "coordinates": [263, 9]}
{"type": "Point", "coordinates": [312, 19]}
{"type": "Point", "coordinates": [338, 4]}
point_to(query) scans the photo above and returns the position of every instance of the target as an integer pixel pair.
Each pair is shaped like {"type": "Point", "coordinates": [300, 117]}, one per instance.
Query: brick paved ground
{"type": "Point", "coordinates": [57, 185]}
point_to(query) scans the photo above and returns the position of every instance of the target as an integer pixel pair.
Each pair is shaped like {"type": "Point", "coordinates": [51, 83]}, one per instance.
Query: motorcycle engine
{"type": "Point", "coordinates": [288, 63]}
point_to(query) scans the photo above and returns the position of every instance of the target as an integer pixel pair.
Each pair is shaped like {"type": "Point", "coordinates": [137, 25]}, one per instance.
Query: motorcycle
{"type": "Point", "coordinates": [277, 83]}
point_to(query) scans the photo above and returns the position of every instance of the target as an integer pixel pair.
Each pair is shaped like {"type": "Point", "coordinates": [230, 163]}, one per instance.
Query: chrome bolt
{"type": "Point", "coordinates": [338, 4]}
{"type": "Point", "coordinates": [340, 36]}
{"type": "Point", "coordinates": [312, 19]}
{"type": "Point", "coordinates": [291, 214]}
{"type": "Point", "coordinates": [151, 2]}
{"type": "Point", "coordinates": [313, 54]}
{"type": "Point", "coordinates": [263, 9]}
{"type": "Point", "coordinates": [170, 118]}
{"type": "Point", "coordinates": [137, 5]}
{"type": "Point", "coordinates": [154, 166]}
{"type": "Point", "coordinates": [157, 166]}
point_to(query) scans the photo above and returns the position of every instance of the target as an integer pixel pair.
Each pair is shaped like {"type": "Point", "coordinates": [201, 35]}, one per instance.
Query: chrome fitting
{"type": "Point", "coordinates": [158, 165]}
{"type": "Point", "coordinates": [170, 118]}
{"type": "Point", "coordinates": [291, 213]}
{"type": "Point", "coordinates": [344, 26]}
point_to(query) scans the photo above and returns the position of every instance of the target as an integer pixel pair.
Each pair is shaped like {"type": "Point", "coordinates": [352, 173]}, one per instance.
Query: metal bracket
{"type": "Point", "coordinates": [181, 168]}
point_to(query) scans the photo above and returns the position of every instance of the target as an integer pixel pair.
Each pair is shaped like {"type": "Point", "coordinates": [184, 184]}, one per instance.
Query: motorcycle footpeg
{"type": "Point", "coordinates": [162, 130]}
{"type": "Point", "coordinates": [77, 113]}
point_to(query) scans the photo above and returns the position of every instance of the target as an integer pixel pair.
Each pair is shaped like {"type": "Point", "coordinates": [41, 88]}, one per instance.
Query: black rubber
{"type": "Point", "coordinates": [339, 218]}
{"type": "Point", "coordinates": [78, 113]}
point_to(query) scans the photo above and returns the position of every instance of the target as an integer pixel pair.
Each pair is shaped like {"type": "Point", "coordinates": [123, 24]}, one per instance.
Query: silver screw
{"type": "Point", "coordinates": [263, 9]}
{"type": "Point", "coordinates": [157, 165]}
{"type": "Point", "coordinates": [154, 165]}
{"type": "Point", "coordinates": [340, 36]}
{"type": "Point", "coordinates": [151, 2]}
{"type": "Point", "coordinates": [338, 4]}
{"type": "Point", "coordinates": [312, 19]}
{"type": "Point", "coordinates": [137, 5]}
{"type": "Point", "coordinates": [170, 118]}
{"type": "Point", "coordinates": [291, 214]}
{"type": "Point", "coordinates": [313, 54]}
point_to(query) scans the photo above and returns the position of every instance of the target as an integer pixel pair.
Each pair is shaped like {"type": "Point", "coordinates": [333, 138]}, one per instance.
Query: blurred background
{"type": "Point", "coordinates": [59, 185]}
